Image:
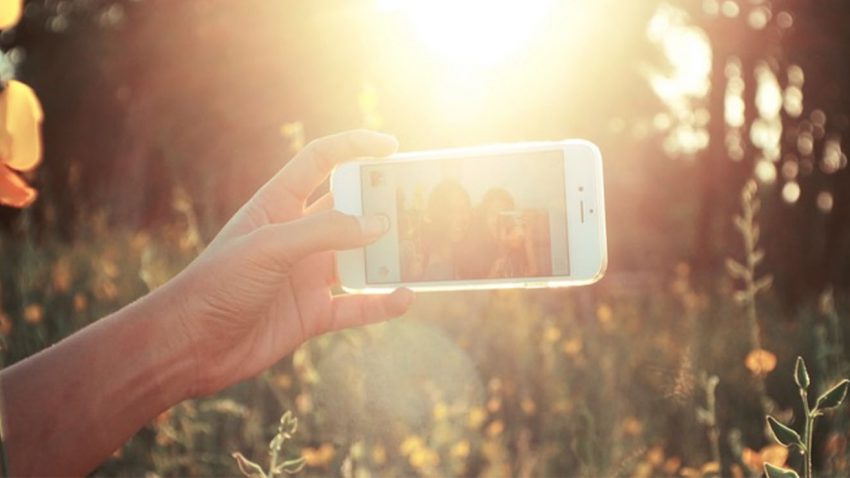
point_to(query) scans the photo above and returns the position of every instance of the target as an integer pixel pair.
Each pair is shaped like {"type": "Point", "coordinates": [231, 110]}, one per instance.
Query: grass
{"type": "Point", "coordinates": [611, 380]}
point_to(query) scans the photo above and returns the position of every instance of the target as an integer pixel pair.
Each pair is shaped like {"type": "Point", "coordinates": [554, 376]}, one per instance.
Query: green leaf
{"type": "Point", "coordinates": [801, 375]}
{"type": "Point", "coordinates": [248, 467]}
{"type": "Point", "coordinates": [764, 283]}
{"type": "Point", "coordinates": [739, 223]}
{"type": "Point", "coordinates": [291, 467]}
{"type": "Point", "coordinates": [741, 297]}
{"type": "Point", "coordinates": [736, 269]}
{"type": "Point", "coordinates": [772, 471]}
{"type": "Point", "coordinates": [276, 443]}
{"type": "Point", "coordinates": [785, 435]}
{"type": "Point", "coordinates": [288, 424]}
{"type": "Point", "coordinates": [833, 397]}
{"type": "Point", "coordinates": [758, 256]}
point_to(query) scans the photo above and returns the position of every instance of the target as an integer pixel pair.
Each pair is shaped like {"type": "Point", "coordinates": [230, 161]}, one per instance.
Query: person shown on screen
{"type": "Point", "coordinates": [497, 245]}
{"type": "Point", "coordinates": [481, 249]}
{"type": "Point", "coordinates": [445, 228]}
{"type": "Point", "coordinates": [516, 252]}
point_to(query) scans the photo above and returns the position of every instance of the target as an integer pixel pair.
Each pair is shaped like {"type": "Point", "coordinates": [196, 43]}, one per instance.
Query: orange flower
{"type": "Point", "coordinates": [14, 191]}
{"type": "Point", "coordinates": [572, 347]}
{"type": "Point", "coordinates": [10, 13]}
{"type": "Point", "coordinates": [20, 140]}
{"type": "Point", "coordinates": [61, 275]}
{"type": "Point", "coordinates": [320, 456]}
{"type": "Point", "coordinates": [737, 471]}
{"type": "Point", "coordinates": [5, 324]}
{"type": "Point", "coordinates": [672, 465]}
{"type": "Point", "coordinates": [655, 456]}
{"type": "Point", "coordinates": [528, 406]}
{"type": "Point", "coordinates": [496, 428]}
{"type": "Point", "coordinates": [379, 455]}
{"type": "Point", "coordinates": [33, 313]}
{"type": "Point", "coordinates": [774, 454]}
{"type": "Point", "coordinates": [80, 302]}
{"type": "Point", "coordinates": [632, 426]}
{"type": "Point", "coordinates": [760, 362]}
{"type": "Point", "coordinates": [460, 450]}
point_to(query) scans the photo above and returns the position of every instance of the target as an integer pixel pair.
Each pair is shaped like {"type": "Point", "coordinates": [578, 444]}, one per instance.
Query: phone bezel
{"type": "Point", "coordinates": [584, 192]}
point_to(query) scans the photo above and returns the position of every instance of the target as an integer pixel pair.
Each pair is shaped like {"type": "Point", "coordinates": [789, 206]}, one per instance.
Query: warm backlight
{"type": "Point", "coordinates": [472, 32]}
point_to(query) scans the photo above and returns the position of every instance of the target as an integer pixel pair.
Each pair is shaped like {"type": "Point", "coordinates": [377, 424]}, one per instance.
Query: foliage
{"type": "Point", "coordinates": [20, 125]}
{"type": "Point", "coordinates": [500, 383]}
{"type": "Point", "coordinates": [285, 431]}
{"type": "Point", "coordinates": [161, 121]}
{"type": "Point", "coordinates": [787, 437]}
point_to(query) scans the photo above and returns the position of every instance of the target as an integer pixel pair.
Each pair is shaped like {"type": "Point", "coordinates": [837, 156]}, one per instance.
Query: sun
{"type": "Point", "coordinates": [472, 33]}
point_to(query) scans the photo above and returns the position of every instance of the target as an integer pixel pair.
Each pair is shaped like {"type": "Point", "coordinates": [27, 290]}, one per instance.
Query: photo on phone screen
{"type": "Point", "coordinates": [494, 217]}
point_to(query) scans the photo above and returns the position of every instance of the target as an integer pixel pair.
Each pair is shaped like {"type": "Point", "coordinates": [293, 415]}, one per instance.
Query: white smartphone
{"type": "Point", "coordinates": [505, 216]}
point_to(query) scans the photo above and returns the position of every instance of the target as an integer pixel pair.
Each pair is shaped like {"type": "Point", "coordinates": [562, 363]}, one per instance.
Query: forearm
{"type": "Point", "coordinates": [70, 406]}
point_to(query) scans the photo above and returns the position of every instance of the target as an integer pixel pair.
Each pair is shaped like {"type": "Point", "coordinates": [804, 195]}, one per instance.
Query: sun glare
{"type": "Point", "coordinates": [686, 82]}
{"type": "Point", "coordinates": [472, 33]}
{"type": "Point", "coordinates": [688, 51]}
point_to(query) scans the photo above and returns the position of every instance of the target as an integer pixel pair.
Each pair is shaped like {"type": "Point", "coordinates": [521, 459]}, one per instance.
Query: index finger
{"type": "Point", "coordinates": [314, 162]}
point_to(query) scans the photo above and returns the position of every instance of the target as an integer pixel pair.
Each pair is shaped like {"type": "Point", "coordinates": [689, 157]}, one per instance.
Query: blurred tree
{"type": "Point", "coordinates": [144, 100]}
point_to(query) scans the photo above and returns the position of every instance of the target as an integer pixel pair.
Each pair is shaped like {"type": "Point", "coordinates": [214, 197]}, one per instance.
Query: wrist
{"type": "Point", "coordinates": [115, 375]}
{"type": "Point", "coordinates": [174, 358]}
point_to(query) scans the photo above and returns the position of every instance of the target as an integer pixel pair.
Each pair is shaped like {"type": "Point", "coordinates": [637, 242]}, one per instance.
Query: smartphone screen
{"type": "Point", "coordinates": [471, 218]}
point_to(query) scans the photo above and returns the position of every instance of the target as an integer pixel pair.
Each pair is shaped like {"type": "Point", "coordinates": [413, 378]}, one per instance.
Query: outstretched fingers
{"type": "Point", "coordinates": [358, 310]}
{"type": "Point", "coordinates": [281, 246]}
{"type": "Point", "coordinates": [312, 165]}
{"type": "Point", "coordinates": [284, 196]}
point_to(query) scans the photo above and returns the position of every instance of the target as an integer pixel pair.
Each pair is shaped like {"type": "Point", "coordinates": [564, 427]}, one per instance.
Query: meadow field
{"type": "Point", "coordinates": [724, 129]}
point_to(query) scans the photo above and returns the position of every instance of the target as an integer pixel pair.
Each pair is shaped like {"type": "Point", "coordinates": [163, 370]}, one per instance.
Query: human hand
{"type": "Point", "coordinates": [263, 286]}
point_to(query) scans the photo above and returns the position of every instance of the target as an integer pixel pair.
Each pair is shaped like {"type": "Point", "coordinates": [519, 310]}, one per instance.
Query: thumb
{"type": "Point", "coordinates": [285, 244]}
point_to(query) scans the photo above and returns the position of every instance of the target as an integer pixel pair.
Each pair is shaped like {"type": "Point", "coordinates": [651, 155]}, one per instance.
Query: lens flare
{"type": "Point", "coordinates": [473, 32]}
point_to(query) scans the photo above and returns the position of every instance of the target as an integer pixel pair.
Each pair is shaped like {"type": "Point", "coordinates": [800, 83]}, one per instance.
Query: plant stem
{"type": "Point", "coordinates": [807, 435]}
{"type": "Point", "coordinates": [710, 385]}
{"type": "Point", "coordinates": [749, 233]}
{"type": "Point", "coordinates": [810, 428]}
{"type": "Point", "coordinates": [272, 463]}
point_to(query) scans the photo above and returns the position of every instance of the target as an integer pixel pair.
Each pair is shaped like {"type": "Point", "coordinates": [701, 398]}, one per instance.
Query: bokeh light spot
{"type": "Point", "coordinates": [765, 172]}
{"type": "Point", "coordinates": [730, 9]}
{"type": "Point", "coordinates": [825, 201]}
{"type": "Point", "coordinates": [784, 20]}
{"type": "Point", "coordinates": [758, 18]}
{"type": "Point", "coordinates": [791, 192]}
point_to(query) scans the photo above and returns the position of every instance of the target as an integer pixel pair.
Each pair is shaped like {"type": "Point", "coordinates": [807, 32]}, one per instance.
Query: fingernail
{"type": "Point", "coordinates": [374, 225]}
